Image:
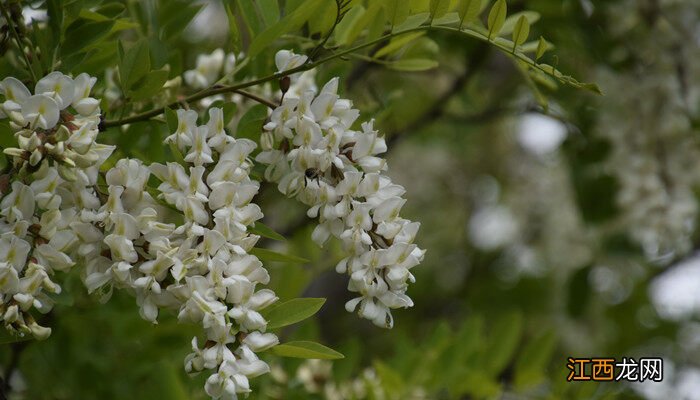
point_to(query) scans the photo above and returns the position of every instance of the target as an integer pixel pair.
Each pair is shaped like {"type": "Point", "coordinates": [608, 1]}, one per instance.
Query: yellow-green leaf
{"type": "Point", "coordinates": [351, 25]}
{"type": "Point", "coordinates": [306, 349]}
{"type": "Point", "coordinates": [438, 8]}
{"type": "Point", "coordinates": [468, 10]}
{"type": "Point", "coordinates": [521, 31]}
{"type": "Point", "coordinates": [497, 17]}
{"type": "Point", "coordinates": [541, 48]}
{"type": "Point", "coordinates": [290, 22]}
{"type": "Point", "coordinates": [396, 11]}
{"type": "Point", "coordinates": [509, 24]}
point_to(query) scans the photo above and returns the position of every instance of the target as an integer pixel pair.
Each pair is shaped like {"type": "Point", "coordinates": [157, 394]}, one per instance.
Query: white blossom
{"type": "Point", "coordinates": [337, 172]}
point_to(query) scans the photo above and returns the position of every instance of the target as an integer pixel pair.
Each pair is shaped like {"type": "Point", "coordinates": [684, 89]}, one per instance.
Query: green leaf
{"type": "Point", "coordinates": [290, 22]}
{"type": "Point", "coordinates": [391, 380]}
{"type": "Point", "coordinates": [177, 155]}
{"type": "Point", "coordinates": [438, 8]}
{"type": "Point", "coordinates": [396, 11]}
{"type": "Point", "coordinates": [306, 349]}
{"type": "Point", "coordinates": [504, 339]}
{"type": "Point", "coordinates": [534, 45]}
{"type": "Point", "coordinates": [265, 231]}
{"type": "Point", "coordinates": [351, 25]}
{"type": "Point", "coordinates": [233, 29]}
{"type": "Point", "coordinates": [521, 31]}
{"type": "Point", "coordinates": [413, 65]}
{"type": "Point", "coordinates": [451, 18]}
{"type": "Point", "coordinates": [181, 14]}
{"type": "Point", "coordinates": [251, 122]}
{"type": "Point", "coordinates": [250, 16]}
{"type": "Point", "coordinates": [269, 11]}
{"type": "Point", "coordinates": [413, 21]}
{"type": "Point", "coordinates": [134, 64]}
{"type": "Point", "coordinates": [229, 112]}
{"type": "Point", "coordinates": [292, 311]}
{"type": "Point", "coordinates": [511, 21]}
{"type": "Point", "coordinates": [269, 255]}
{"type": "Point", "coordinates": [497, 17]}
{"type": "Point", "coordinates": [171, 119]}
{"type": "Point", "coordinates": [54, 11]}
{"type": "Point", "coordinates": [150, 85]}
{"type": "Point", "coordinates": [541, 48]}
{"type": "Point", "coordinates": [468, 10]}
{"type": "Point", "coordinates": [397, 43]}
{"type": "Point", "coordinates": [531, 365]}
{"type": "Point", "coordinates": [83, 32]}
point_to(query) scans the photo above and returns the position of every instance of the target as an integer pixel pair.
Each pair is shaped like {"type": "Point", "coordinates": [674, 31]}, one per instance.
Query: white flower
{"type": "Point", "coordinates": [57, 86]}
{"type": "Point", "coordinates": [200, 153]}
{"type": "Point", "coordinates": [40, 111]}
{"type": "Point", "coordinates": [336, 172]}
{"type": "Point", "coordinates": [286, 60]}
{"type": "Point", "coordinates": [15, 94]}
{"type": "Point", "coordinates": [207, 71]}
{"type": "Point", "coordinates": [82, 102]}
{"type": "Point", "coordinates": [186, 125]}
{"type": "Point", "coordinates": [257, 341]}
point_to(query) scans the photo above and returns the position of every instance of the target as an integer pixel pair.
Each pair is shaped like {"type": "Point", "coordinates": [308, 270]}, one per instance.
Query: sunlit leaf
{"type": "Point", "coordinates": [306, 349]}
{"type": "Point", "coordinates": [468, 10]}
{"type": "Point", "coordinates": [497, 17]}
{"type": "Point", "coordinates": [521, 31]}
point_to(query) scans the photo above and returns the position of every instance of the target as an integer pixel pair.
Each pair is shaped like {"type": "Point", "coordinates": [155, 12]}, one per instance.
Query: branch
{"type": "Point", "coordinates": [257, 98]}
{"type": "Point", "coordinates": [312, 64]}
{"type": "Point", "coordinates": [234, 88]}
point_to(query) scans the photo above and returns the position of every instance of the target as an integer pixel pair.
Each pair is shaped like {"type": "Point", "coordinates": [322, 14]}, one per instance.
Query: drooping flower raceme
{"type": "Point", "coordinates": [314, 155]}
{"type": "Point", "coordinates": [51, 178]}
{"type": "Point", "coordinates": [200, 267]}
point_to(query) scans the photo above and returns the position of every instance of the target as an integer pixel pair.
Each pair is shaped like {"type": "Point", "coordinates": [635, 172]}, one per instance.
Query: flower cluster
{"type": "Point", "coordinates": [654, 155]}
{"type": "Point", "coordinates": [315, 156]}
{"type": "Point", "coordinates": [49, 182]}
{"type": "Point", "coordinates": [199, 267]}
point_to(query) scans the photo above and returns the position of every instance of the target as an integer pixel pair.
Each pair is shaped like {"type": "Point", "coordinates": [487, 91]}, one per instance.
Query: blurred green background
{"type": "Point", "coordinates": [565, 232]}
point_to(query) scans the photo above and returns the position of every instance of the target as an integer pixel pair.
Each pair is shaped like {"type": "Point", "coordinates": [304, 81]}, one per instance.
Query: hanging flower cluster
{"type": "Point", "coordinates": [185, 246]}
{"type": "Point", "coordinates": [314, 155]}
{"type": "Point", "coordinates": [200, 267]}
{"type": "Point", "coordinates": [47, 185]}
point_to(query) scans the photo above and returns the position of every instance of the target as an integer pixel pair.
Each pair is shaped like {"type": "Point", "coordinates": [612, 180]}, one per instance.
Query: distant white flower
{"type": "Point", "coordinates": [540, 134]}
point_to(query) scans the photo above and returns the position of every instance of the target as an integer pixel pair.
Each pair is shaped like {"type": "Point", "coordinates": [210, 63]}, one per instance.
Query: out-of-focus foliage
{"type": "Point", "coordinates": [550, 213]}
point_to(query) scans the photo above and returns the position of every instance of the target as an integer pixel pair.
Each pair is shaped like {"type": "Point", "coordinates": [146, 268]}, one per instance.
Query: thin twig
{"type": "Point", "coordinates": [257, 98]}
